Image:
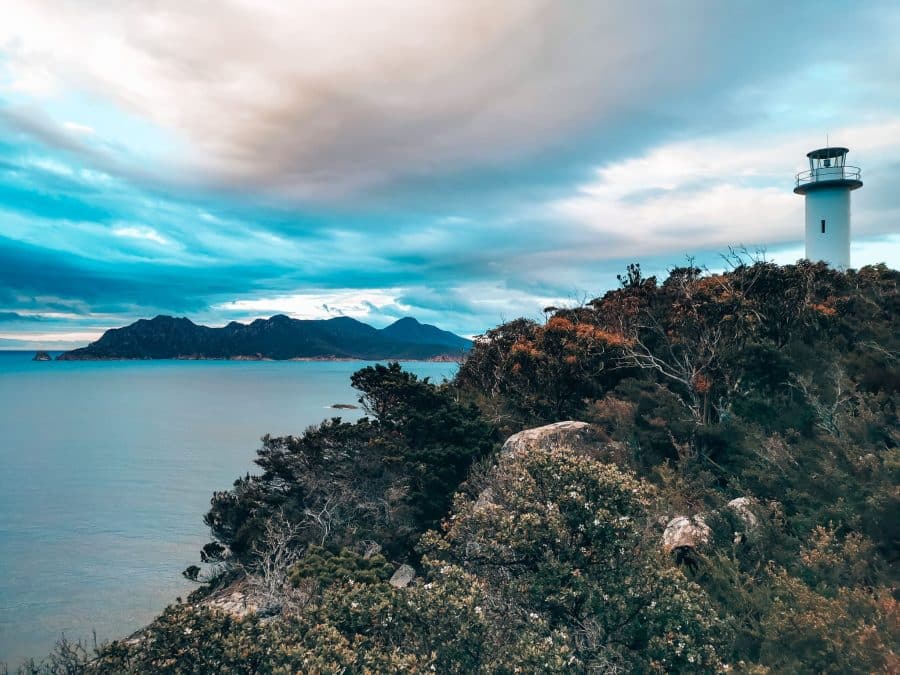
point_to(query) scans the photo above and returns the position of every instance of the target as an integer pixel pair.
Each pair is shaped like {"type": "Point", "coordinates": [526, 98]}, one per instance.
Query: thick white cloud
{"type": "Point", "coordinates": [721, 191]}
{"type": "Point", "coordinates": [312, 304]}
{"type": "Point", "coordinates": [466, 307]}
{"type": "Point", "coordinates": [321, 97]}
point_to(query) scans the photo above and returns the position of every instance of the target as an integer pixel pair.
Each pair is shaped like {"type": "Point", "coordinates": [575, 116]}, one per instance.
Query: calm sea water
{"type": "Point", "coordinates": [106, 470]}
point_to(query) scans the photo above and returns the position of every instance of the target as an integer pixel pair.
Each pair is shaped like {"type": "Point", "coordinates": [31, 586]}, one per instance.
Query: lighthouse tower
{"type": "Point", "coordinates": [827, 187]}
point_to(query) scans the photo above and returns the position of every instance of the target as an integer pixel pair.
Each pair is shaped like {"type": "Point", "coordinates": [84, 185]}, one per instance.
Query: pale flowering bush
{"type": "Point", "coordinates": [448, 624]}
{"type": "Point", "coordinates": [562, 544]}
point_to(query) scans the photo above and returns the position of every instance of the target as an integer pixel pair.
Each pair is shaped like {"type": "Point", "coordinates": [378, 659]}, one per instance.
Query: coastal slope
{"type": "Point", "coordinates": [278, 338]}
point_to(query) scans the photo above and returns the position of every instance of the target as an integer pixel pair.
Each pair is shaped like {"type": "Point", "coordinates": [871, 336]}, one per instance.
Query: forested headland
{"type": "Point", "coordinates": [730, 502]}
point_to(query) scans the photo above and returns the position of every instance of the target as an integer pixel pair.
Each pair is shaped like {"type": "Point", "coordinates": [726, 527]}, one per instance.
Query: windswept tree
{"type": "Point", "coordinates": [339, 484]}
{"type": "Point", "coordinates": [540, 373]}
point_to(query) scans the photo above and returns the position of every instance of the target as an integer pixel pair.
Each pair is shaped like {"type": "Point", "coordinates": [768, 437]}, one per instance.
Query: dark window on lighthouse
{"type": "Point", "coordinates": [823, 227]}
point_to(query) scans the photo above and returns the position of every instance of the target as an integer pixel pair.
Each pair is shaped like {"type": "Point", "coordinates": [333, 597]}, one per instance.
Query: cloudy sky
{"type": "Point", "coordinates": [460, 161]}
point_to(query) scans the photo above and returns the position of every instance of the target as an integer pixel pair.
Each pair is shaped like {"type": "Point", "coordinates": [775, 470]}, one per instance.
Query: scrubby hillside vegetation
{"type": "Point", "coordinates": [735, 506]}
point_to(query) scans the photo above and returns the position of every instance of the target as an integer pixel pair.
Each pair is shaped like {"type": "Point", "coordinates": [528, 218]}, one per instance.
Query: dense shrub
{"type": "Point", "coordinates": [561, 539]}
{"type": "Point", "coordinates": [385, 479]}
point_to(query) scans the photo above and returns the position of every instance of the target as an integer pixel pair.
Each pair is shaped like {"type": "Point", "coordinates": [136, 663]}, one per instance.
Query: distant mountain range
{"type": "Point", "coordinates": [277, 338]}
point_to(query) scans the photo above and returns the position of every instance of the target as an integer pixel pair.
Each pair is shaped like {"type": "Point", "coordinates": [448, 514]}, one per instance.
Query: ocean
{"type": "Point", "coordinates": [106, 470]}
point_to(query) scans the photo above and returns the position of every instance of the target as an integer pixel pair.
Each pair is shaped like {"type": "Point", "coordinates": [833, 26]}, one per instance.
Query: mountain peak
{"type": "Point", "coordinates": [411, 330]}
{"type": "Point", "coordinates": [345, 319]}
{"type": "Point", "coordinates": [406, 321]}
{"type": "Point", "coordinates": [161, 319]}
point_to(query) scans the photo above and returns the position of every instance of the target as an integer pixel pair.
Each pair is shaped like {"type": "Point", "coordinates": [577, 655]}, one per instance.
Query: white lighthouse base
{"type": "Point", "coordinates": [828, 226]}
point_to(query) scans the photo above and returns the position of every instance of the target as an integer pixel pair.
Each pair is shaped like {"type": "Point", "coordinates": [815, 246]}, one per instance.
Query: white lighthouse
{"type": "Point", "coordinates": [827, 187]}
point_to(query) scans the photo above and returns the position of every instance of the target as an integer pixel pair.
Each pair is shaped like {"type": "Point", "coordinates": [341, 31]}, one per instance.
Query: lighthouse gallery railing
{"type": "Point", "coordinates": [828, 173]}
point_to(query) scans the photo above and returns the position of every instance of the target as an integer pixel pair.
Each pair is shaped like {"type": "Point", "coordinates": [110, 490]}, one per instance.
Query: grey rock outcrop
{"type": "Point", "coordinates": [743, 509]}
{"type": "Point", "coordinates": [402, 577]}
{"type": "Point", "coordinates": [235, 600]}
{"type": "Point", "coordinates": [580, 437]}
{"type": "Point", "coordinates": [685, 532]}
